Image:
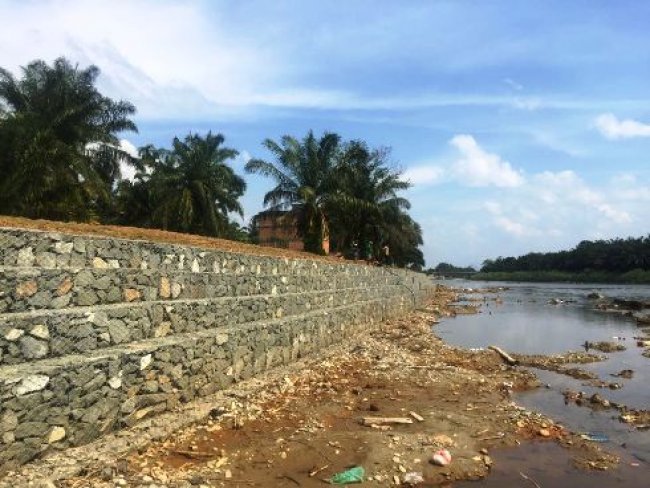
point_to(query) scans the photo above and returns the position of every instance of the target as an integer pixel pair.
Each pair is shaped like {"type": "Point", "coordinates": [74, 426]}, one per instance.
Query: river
{"type": "Point", "coordinates": [525, 322]}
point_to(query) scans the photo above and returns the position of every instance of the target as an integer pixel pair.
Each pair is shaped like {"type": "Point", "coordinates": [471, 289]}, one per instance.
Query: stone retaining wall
{"type": "Point", "coordinates": [96, 334]}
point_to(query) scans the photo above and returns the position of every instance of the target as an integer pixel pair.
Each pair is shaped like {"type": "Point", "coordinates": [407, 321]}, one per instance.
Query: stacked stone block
{"type": "Point", "coordinates": [99, 333]}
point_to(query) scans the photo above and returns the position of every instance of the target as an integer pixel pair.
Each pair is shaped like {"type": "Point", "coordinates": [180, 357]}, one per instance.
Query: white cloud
{"type": "Point", "coordinates": [613, 128]}
{"type": "Point", "coordinates": [513, 84]}
{"type": "Point", "coordinates": [242, 158]}
{"type": "Point", "coordinates": [425, 175]}
{"type": "Point", "coordinates": [478, 167]}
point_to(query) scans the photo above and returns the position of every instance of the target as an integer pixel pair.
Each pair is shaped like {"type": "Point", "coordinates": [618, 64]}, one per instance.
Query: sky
{"type": "Point", "coordinates": [522, 125]}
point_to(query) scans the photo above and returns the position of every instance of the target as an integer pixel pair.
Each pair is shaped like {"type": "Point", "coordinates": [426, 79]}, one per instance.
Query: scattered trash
{"type": "Point", "coordinates": [441, 457]}
{"type": "Point", "coordinates": [413, 478]}
{"type": "Point", "coordinates": [595, 437]}
{"type": "Point", "coordinates": [352, 475]}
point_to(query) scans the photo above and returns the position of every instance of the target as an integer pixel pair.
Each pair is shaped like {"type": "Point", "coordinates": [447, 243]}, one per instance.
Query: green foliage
{"type": "Point", "coordinates": [634, 276]}
{"type": "Point", "coordinates": [189, 188]}
{"type": "Point", "coordinates": [346, 189]}
{"type": "Point", "coordinates": [446, 269]}
{"type": "Point", "coordinates": [59, 153]}
{"type": "Point", "coordinates": [303, 173]}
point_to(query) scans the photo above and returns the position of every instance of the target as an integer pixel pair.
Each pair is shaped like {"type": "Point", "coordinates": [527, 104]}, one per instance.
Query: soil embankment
{"type": "Point", "coordinates": [299, 426]}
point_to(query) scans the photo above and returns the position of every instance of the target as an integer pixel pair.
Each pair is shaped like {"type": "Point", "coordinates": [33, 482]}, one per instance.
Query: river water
{"type": "Point", "coordinates": [525, 322]}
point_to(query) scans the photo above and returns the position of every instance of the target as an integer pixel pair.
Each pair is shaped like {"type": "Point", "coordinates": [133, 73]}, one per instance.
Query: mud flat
{"type": "Point", "coordinates": [300, 425]}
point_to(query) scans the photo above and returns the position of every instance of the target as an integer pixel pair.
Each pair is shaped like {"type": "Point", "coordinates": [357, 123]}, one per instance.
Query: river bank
{"type": "Point", "coordinates": [300, 425]}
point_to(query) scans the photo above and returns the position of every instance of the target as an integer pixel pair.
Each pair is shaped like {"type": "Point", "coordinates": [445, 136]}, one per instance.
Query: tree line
{"type": "Point", "coordinates": [61, 159]}
{"type": "Point", "coordinates": [611, 256]}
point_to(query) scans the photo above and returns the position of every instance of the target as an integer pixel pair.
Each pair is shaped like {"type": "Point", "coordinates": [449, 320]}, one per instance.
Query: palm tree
{"type": "Point", "coordinates": [59, 150]}
{"type": "Point", "coordinates": [303, 172]}
{"type": "Point", "coordinates": [366, 203]}
{"type": "Point", "coordinates": [191, 186]}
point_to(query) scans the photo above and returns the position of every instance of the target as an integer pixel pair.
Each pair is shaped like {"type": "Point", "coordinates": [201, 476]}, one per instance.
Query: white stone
{"type": "Point", "coordinates": [41, 331]}
{"type": "Point", "coordinates": [274, 290]}
{"type": "Point", "coordinates": [56, 434]}
{"type": "Point", "coordinates": [99, 263]}
{"type": "Point", "coordinates": [144, 265]}
{"type": "Point", "coordinates": [105, 336]}
{"type": "Point", "coordinates": [115, 382]}
{"type": "Point", "coordinates": [113, 264]}
{"type": "Point", "coordinates": [176, 290]}
{"type": "Point", "coordinates": [195, 266]}
{"type": "Point", "coordinates": [221, 339]}
{"type": "Point", "coordinates": [163, 329]}
{"type": "Point", "coordinates": [145, 361]}
{"type": "Point", "coordinates": [181, 261]}
{"type": "Point", "coordinates": [284, 280]}
{"type": "Point", "coordinates": [32, 383]}
{"type": "Point", "coordinates": [215, 267]}
{"type": "Point", "coordinates": [25, 257]}
{"type": "Point", "coordinates": [14, 335]}
{"type": "Point", "coordinates": [63, 247]}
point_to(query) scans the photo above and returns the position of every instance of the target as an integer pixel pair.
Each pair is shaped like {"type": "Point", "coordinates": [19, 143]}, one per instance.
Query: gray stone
{"type": "Point", "coordinates": [86, 298]}
{"type": "Point", "coordinates": [8, 421]}
{"type": "Point", "coordinates": [25, 257]}
{"type": "Point", "coordinates": [118, 331]}
{"type": "Point", "coordinates": [33, 348]}
{"type": "Point", "coordinates": [31, 429]}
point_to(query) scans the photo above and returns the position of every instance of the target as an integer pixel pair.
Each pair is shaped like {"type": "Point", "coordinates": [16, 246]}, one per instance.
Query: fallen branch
{"type": "Point", "coordinates": [504, 355]}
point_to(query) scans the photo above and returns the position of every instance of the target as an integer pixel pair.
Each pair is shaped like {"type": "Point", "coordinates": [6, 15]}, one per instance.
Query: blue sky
{"type": "Point", "coordinates": [523, 125]}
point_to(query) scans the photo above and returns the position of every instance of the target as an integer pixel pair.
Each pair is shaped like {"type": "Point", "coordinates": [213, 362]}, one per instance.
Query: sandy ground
{"type": "Point", "coordinates": [301, 425]}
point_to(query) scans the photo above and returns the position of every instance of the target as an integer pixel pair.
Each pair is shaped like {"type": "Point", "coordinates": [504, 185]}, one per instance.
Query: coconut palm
{"type": "Point", "coordinates": [59, 150]}
{"type": "Point", "coordinates": [303, 172]}
{"type": "Point", "coordinates": [191, 186]}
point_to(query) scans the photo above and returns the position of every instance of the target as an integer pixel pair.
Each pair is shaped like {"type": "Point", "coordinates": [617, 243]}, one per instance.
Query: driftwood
{"type": "Point", "coordinates": [506, 357]}
{"type": "Point", "coordinates": [385, 420]}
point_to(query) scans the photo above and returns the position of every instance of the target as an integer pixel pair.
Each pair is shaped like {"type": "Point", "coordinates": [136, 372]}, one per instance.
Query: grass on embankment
{"type": "Point", "coordinates": [636, 276]}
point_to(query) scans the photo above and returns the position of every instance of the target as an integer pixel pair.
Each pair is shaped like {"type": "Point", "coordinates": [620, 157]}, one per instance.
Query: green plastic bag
{"type": "Point", "coordinates": [352, 475]}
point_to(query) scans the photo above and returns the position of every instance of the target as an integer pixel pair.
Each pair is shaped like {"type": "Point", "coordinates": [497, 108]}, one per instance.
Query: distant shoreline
{"type": "Point", "coordinates": [636, 276]}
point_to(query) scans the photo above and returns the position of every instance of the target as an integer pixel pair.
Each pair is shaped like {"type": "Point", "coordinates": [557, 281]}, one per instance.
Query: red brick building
{"type": "Point", "coordinates": [277, 228]}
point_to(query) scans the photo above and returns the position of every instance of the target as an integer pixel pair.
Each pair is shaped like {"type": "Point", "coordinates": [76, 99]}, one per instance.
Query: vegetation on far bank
{"type": "Point", "coordinates": [601, 261]}
{"type": "Point", "coordinates": [61, 159]}
{"type": "Point", "coordinates": [637, 276]}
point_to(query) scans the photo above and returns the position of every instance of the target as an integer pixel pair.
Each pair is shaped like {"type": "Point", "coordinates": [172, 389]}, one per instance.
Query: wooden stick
{"type": "Point", "coordinates": [314, 472]}
{"type": "Point", "coordinates": [506, 357]}
{"type": "Point", "coordinates": [386, 420]}
{"type": "Point", "coordinates": [195, 454]}
{"type": "Point", "coordinates": [416, 416]}
{"type": "Point", "coordinates": [529, 479]}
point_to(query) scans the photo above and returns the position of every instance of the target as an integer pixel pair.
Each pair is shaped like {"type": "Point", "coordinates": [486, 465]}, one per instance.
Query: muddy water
{"type": "Point", "coordinates": [526, 323]}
